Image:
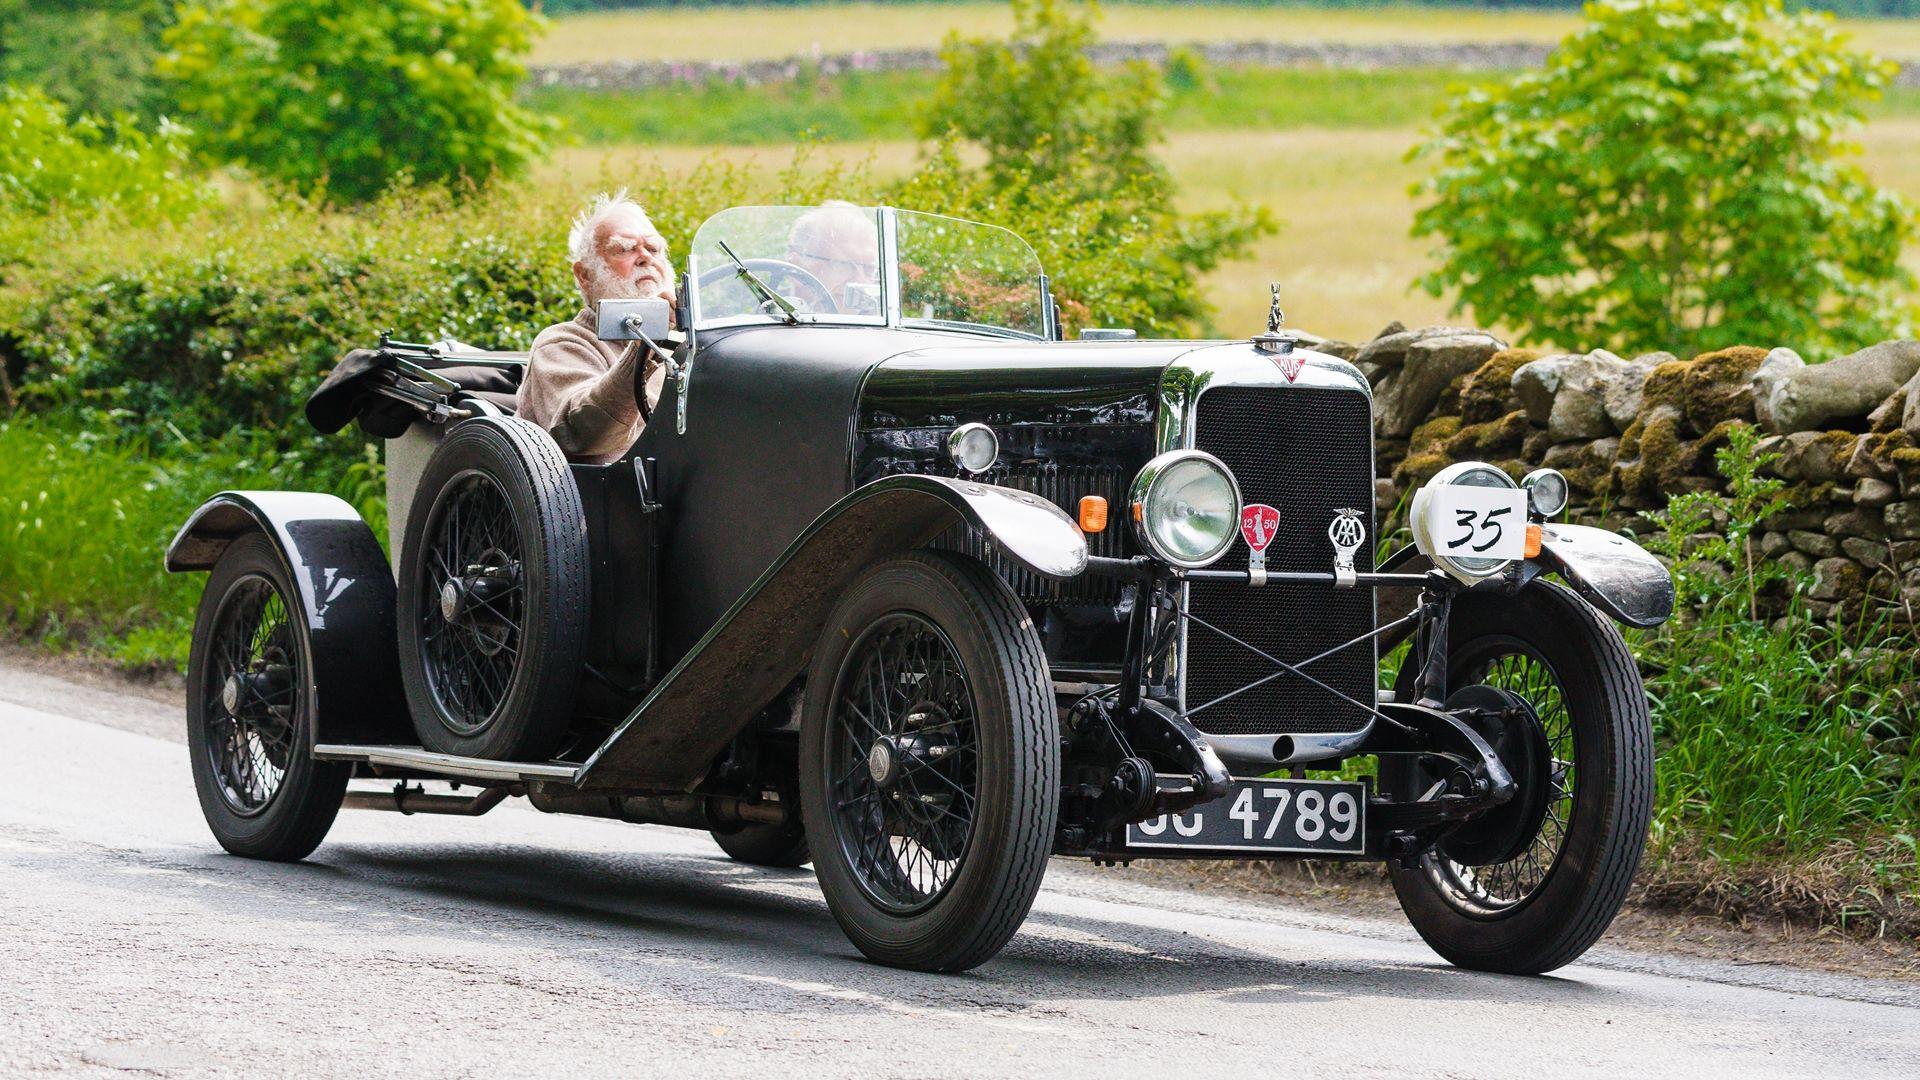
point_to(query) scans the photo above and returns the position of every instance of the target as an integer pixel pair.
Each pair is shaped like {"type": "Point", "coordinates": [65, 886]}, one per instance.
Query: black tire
{"type": "Point", "coordinates": [263, 794]}
{"type": "Point", "coordinates": [913, 882]}
{"type": "Point", "coordinates": [490, 671]}
{"type": "Point", "coordinates": [1542, 908]}
{"type": "Point", "coordinates": [782, 846]}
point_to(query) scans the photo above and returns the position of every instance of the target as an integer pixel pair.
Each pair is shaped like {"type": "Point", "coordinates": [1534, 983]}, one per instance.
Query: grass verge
{"type": "Point", "coordinates": [87, 515]}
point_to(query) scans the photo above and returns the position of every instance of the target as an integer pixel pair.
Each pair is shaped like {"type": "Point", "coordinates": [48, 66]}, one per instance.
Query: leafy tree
{"type": "Point", "coordinates": [1070, 165]}
{"type": "Point", "coordinates": [93, 56]}
{"type": "Point", "coordinates": [350, 94]}
{"type": "Point", "coordinates": [1675, 177]}
{"type": "Point", "coordinates": [1005, 95]}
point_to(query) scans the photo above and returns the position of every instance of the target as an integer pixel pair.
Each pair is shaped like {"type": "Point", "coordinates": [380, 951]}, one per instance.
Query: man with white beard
{"type": "Point", "coordinates": [582, 389]}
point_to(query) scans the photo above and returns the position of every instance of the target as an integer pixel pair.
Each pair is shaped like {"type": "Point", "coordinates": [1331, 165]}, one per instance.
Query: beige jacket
{"type": "Point", "coordinates": [581, 390]}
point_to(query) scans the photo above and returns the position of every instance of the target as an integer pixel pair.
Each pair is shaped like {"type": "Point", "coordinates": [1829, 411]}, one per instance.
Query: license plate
{"type": "Point", "coordinates": [1267, 815]}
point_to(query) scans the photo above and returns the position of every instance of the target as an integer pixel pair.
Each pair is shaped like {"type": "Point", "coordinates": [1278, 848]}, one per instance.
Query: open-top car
{"type": "Point", "coordinates": [898, 582]}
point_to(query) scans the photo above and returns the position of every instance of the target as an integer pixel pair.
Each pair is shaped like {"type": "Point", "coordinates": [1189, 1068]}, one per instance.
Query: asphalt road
{"type": "Point", "coordinates": [541, 945]}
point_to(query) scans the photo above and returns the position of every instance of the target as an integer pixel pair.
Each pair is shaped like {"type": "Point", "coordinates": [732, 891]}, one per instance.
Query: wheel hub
{"type": "Point", "coordinates": [1511, 727]}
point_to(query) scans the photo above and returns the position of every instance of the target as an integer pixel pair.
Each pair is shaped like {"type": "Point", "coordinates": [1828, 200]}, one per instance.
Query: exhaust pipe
{"type": "Point", "coordinates": [721, 812]}
{"type": "Point", "coordinates": [413, 800]}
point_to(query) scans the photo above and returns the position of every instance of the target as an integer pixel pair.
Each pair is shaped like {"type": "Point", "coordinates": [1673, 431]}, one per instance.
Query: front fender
{"type": "Point", "coordinates": [1610, 572]}
{"type": "Point", "coordinates": [346, 599]}
{"type": "Point", "coordinates": [766, 638]}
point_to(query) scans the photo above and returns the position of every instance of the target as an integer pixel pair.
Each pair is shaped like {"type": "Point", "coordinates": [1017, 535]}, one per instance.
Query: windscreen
{"type": "Point", "coordinates": [964, 274]}
{"type": "Point", "coordinates": [824, 261]}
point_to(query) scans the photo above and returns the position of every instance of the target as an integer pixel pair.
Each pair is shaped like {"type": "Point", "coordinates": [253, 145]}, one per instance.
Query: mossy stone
{"type": "Point", "coordinates": [1431, 436]}
{"type": "Point", "coordinates": [1717, 386]}
{"type": "Point", "coordinates": [1487, 392]}
{"type": "Point", "coordinates": [1501, 437]}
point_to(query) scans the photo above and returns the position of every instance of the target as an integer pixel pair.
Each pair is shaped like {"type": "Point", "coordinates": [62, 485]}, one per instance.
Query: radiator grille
{"type": "Point", "coordinates": [1062, 486]}
{"type": "Point", "coordinates": [1308, 452]}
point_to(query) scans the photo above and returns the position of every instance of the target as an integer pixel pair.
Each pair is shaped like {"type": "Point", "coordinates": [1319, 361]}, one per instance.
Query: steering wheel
{"type": "Point", "coordinates": [771, 271]}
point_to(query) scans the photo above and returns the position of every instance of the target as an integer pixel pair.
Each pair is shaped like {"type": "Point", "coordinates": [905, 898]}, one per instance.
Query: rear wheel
{"type": "Point", "coordinates": [1534, 883]}
{"type": "Point", "coordinates": [250, 709]}
{"type": "Point", "coordinates": [493, 593]}
{"type": "Point", "coordinates": [929, 763]}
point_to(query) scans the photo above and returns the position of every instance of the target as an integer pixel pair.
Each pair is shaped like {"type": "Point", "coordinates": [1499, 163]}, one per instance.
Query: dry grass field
{"type": "Point", "coordinates": [734, 33]}
{"type": "Point", "coordinates": [1343, 257]}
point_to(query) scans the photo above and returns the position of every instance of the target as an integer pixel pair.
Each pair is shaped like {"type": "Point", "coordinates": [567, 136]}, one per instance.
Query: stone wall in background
{"type": "Point", "coordinates": [1629, 432]}
{"type": "Point", "coordinates": [616, 75]}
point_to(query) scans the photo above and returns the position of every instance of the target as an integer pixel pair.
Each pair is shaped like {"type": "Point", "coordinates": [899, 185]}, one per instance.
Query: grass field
{"type": "Point", "coordinates": [752, 33]}
{"type": "Point", "coordinates": [881, 106]}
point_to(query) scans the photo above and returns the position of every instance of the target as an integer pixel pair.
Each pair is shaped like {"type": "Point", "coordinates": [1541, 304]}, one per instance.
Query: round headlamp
{"type": "Point", "coordinates": [973, 447]}
{"type": "Point", "coordinates": [1427, 528]}
{"type": "Point", "coordinates": [1186, 508]}
{"type": "Point", "coordinates": [1547, 492]}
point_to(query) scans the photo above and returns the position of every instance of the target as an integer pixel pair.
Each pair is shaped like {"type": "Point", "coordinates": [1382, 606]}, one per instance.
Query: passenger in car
{"type": "Point", "coordinates": [584, 390]}
{"type": "Point", "coordinates": [838, 243]}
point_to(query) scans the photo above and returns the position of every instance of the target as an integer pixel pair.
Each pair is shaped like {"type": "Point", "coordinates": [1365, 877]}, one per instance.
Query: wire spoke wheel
{"type": "Point", "coordinates": [1508, 664]}
{"type": "Point", "coordinates": [929, 762]}
{"type": "Point", "coordinates": [251, 688]}
{"type": "Point", "coordinates": [1527, 886]}
{"type": "Point", "coordinates": [904, 748]}
{"type": "Point", "coordinates": [471, 602]}
{"type": "Point", "coordinates": [252, 707]}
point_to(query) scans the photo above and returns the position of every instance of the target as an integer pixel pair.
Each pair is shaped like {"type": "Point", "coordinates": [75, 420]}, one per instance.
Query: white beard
{"type": "Point", "coordinates": [604, 284]}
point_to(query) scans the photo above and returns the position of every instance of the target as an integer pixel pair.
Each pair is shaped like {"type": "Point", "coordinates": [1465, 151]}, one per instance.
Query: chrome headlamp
{"type": "Point", "coordinates": [973, 447]}
{"type": "Point", "coordinates": [1471, 520]}
{"type": "Point", "coordinates": [1185, 508]}
{"type": "Point", "coordinates": [1547, 492]}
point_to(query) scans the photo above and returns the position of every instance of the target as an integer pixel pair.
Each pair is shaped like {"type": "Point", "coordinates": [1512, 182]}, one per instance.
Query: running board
{"type": "Point", "coordinates": [448, 766]}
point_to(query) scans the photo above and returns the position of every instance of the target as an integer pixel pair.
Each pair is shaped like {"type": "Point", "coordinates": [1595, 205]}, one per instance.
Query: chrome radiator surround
{"type": "Point", "coordinates": [1183, 384]}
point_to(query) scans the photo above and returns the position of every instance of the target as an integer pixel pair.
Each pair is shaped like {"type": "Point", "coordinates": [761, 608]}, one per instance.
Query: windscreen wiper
{"type": "Point", "coordinates": [766, 293]}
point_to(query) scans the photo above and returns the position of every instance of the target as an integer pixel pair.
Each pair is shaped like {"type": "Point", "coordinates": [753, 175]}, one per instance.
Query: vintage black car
{"type": "Point", "coordinates": [899, 582]}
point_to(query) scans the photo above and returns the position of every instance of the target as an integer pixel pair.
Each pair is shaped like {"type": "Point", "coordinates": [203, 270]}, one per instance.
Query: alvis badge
{"type": "Point", "coordinates": [1259, 523]}
{"type": "Point", "coordinates": [1347, 532]}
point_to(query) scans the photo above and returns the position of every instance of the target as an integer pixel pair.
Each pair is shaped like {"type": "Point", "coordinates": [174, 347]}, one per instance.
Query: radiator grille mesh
{"type": "Point", "coordinates": [1308, 452]}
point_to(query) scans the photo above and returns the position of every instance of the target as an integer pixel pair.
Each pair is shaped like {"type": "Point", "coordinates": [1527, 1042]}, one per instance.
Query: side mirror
{"type": "Point", "coordinates": [631, 320]}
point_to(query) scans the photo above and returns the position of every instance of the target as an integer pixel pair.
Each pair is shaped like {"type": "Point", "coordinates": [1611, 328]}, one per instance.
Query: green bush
{"type": "Point", "coordinates": [1675, 177]}
{"type": "Point", "coordinates": [230, 317]}
{"type": "Point", "coordinates": [52, 170]}
{"type": "Point", "coordinates": [85, 513]}
{"type": "Point", "coordinates": [348, 95]}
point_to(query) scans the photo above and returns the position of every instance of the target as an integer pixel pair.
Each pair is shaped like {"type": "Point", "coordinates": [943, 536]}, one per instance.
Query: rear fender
{"type": "Point", "coordinates": [766, 638]}
{"type": "Point", "coordinates": [346, 598]}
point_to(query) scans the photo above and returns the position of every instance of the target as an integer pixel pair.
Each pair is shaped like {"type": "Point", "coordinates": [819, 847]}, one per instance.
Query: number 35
{"type": "Point", "coordinates": [1474, 524]}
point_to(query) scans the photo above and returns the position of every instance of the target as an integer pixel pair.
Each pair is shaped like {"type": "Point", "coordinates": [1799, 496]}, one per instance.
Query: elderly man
{"type": "Point", "coordinates": [585, 391]}
{"type": "Point", "coordinates": [837, 243]}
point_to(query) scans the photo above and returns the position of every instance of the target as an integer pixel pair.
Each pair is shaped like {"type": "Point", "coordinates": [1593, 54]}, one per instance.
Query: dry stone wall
{"type": "Point", "coordinates": [1629, 432]}
{"type": "Point", "coordinates": [621, 75]}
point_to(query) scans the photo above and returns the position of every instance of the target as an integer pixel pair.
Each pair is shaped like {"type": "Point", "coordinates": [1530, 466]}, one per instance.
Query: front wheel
{"type": "Point", "coordinates": [1535, 882]}
{"type": "Point", "coordinates": [250, 711]}
{"type": "Point", "coordinates": [929, 763]}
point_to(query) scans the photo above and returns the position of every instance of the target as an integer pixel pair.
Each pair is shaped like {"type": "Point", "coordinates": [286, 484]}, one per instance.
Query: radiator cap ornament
{"type": "Point", "coordinates": [1259, 523]}
{"type": "Point", "coordinates": [1346, 532]}
{"type": "Point", "coordinates": [1278, 346]}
